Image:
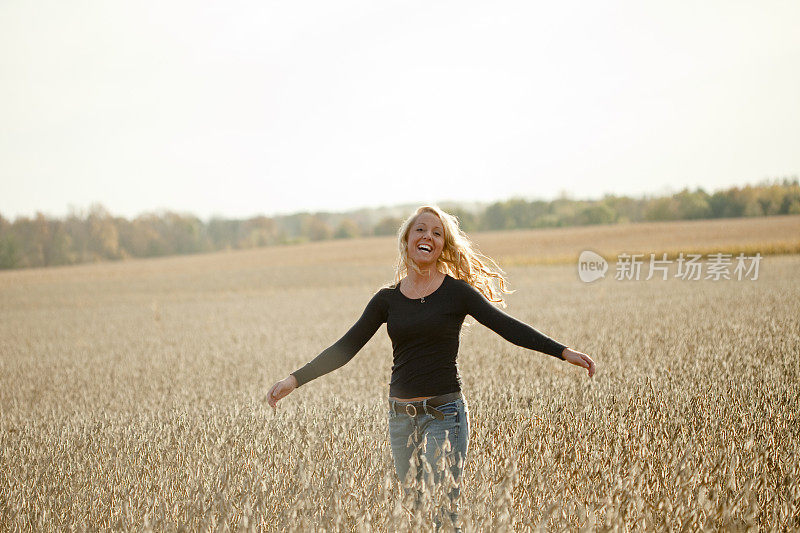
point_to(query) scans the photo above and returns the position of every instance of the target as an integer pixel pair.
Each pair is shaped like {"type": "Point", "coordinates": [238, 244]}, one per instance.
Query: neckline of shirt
{"type": "Point", "coordinates": [397, 287]}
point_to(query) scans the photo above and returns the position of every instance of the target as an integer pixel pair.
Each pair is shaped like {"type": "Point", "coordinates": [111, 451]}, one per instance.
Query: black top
{"type": "Point", "coordinates": [425, 337]}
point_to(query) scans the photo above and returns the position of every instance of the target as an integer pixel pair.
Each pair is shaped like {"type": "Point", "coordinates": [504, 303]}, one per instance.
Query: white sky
{"type": "Point", "coordinates": [250, 107]}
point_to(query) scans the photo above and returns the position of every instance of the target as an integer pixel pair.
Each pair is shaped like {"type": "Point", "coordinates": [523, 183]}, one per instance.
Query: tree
{"type": "Point", "coordinates": [627, 209]}
{"type": "Point", "coordinates": [563, 211]}
{"type": "Point", "coordinates": [224, 233]}
{"type": "Point", "coordinates": [770, 198]}
{"type": "Point", "coordinates": [790, 204]}
{"type": "Point", "coordinates": [316, 229]}
{"type": "Point", "coordinates": [467, 220]}
{"type": "Point", "coordinates": [77, 228]}
{"type": "Point", "coordinates": [496, 217]}
{"type": "Point", "coordinates": [520, 214]}
{"type": "Point", "coordinates": [736, 202]}
{"type": "Point", "coordinates": [661, 209]}
{"type": "Point", "coordinates": [596, 214]}
{"type": "Point", "coordinates": [9, 250]}
{"type": "Point", "coordinates": [183, 233]}
{"type": "Point", "coordinates": [718, 202]}
{"type": "Point", "coordinates": [103, 234]}
{"type": "Point", "coordinates": [387, 226]}
{"type": "Point", "coordinates": [692, 205]}
{"type": "Point", "coordinates": [57, 244]}
{"type": "Point", "coordinates": [148, 239]}
{"type": "Point", "coordinates": [347, 229]}
{"type": "Point", "coordinates": [260, 231]}
{"type": "Point", "coordinates": [29, 241]}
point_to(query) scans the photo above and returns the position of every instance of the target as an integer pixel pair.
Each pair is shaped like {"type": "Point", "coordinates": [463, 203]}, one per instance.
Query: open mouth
{"type": "Point", "coordinates": [424, 248]}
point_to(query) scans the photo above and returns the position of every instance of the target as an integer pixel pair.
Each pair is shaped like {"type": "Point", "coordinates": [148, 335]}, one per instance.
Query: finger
{"type": "Point", "coordinates": [271, 396]}
{"type": "Point", "coordinates": [591, 366]}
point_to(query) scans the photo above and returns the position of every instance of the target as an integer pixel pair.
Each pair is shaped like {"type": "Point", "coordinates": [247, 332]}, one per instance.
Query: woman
{"type": "Point", "coordinates": [440, 279]}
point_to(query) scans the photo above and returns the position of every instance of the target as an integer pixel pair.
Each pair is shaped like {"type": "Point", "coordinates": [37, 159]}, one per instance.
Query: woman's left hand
{"type": "Point", "coordinates": [579, 359]}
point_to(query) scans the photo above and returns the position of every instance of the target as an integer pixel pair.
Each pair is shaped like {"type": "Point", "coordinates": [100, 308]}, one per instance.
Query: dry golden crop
{"type": "Point", "coordinates": [132, 396]}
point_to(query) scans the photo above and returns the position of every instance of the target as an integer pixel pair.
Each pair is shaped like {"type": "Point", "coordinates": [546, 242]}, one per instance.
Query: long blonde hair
{"type": "Point", "coordinates": [460, 258]}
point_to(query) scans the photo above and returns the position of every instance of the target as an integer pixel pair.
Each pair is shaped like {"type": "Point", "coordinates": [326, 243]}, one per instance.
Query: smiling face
{"type": "Point", "coordinates": [425, 240]}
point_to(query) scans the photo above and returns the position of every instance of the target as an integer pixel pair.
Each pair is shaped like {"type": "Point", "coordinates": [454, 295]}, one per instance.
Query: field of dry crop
{"type": "Point", "coordinates": [132, 394]}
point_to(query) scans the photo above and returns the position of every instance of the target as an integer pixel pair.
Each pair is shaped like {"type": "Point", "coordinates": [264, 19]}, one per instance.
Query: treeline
{"type": "Point", "coordinates": [95, 234]}
{"type": "Point", "coordinates": [781, 197]}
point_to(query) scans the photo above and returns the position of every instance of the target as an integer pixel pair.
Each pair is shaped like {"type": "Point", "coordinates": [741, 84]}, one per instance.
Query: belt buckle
{"type": "Point", "coordinates": [413, 407]}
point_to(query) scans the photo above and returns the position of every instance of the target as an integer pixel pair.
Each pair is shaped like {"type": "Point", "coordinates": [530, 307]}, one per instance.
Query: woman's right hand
{"type": "Point", "coordinates": [281, 389]}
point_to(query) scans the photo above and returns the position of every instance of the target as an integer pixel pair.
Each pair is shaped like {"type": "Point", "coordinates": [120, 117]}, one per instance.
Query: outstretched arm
{"type": "Point", "coordinates": [335, 355]}
{"type": "Point", "coordinates": [520, 333]}
{"type": "Point", "coordinates": [508, 327]}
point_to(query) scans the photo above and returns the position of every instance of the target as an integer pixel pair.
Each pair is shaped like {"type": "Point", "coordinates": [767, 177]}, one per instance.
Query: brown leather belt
{"type": "Point", "coordinates": [424, 407]}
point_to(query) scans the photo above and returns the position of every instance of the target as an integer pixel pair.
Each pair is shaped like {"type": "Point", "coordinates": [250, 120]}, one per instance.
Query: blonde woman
{"type": "Point", "coordinates": [440, 279]}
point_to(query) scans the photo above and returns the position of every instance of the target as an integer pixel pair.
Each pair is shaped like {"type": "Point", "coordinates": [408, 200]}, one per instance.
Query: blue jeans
{"type": "Point", "coordinates": [430, 453]}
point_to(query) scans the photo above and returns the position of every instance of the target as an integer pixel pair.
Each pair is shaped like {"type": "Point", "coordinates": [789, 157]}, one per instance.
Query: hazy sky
{"type": "Point", "coordinates": [245, 107]}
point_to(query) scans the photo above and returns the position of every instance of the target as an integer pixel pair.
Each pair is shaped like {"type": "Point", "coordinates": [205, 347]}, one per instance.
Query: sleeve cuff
{"type": "Point", "coordinates": [298, 375]}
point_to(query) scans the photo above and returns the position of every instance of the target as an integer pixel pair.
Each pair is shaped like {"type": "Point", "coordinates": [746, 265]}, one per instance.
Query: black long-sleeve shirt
{"type": "Point", "coordinates": [425, 337]}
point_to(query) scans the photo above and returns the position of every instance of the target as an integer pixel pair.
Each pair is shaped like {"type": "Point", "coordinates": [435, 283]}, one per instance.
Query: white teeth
{"type": "Point", "coordinates": [424, 247]}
